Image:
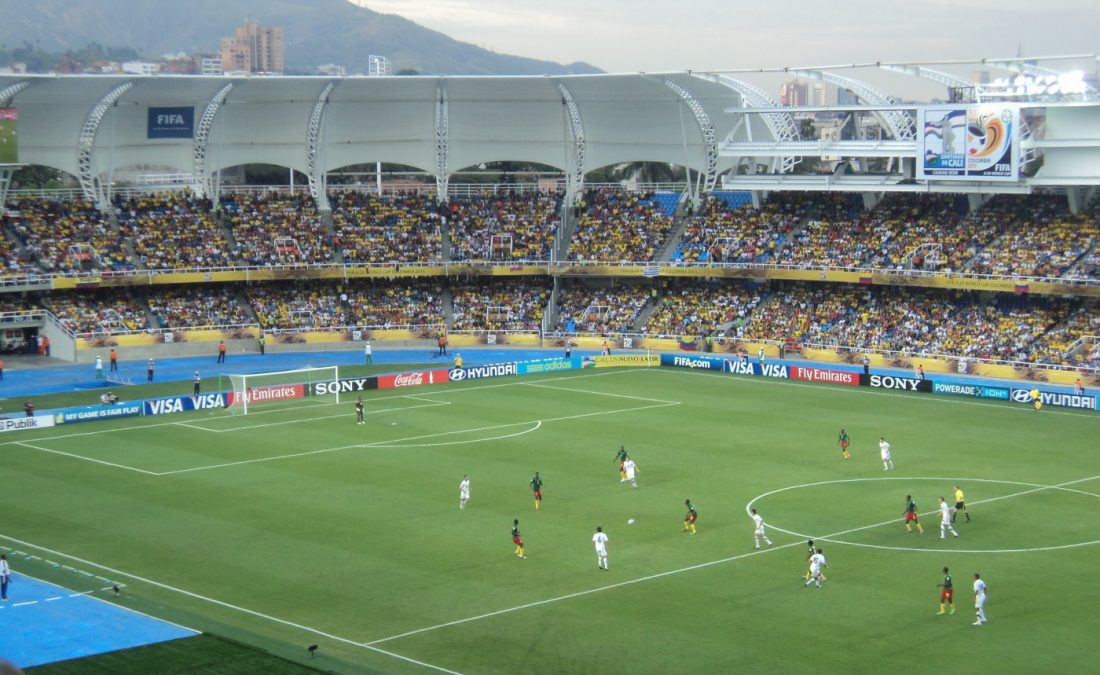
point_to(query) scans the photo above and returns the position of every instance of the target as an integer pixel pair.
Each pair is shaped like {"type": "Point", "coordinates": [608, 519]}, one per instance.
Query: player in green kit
{"type": "Point", "coordinates": [691, 517]}
{"type": "Point", "coordinates": [620, 457]}
{"type": "Point", "coordinates": [947, 595]}
{"type": "Point", "coordinates": [911, 515]}
{"type": "Point", "coordinates": [842, 441]}
{"type": "Point", "coordinates": [536, 488]}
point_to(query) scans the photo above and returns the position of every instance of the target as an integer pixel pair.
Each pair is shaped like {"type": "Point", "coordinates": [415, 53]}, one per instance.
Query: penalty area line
{"type": "Point", "coordinates": [230, 606]}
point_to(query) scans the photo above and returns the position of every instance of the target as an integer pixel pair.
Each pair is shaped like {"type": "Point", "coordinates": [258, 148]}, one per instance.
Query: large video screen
{"type": "Point", "coordinates": [978, 142]}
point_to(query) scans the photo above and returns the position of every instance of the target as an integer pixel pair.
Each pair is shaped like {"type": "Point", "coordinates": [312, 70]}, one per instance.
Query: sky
{"type": "Point", "coordinates": [664, 35]}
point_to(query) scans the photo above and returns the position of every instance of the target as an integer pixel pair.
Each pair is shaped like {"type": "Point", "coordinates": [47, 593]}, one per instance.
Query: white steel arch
{"type": "Point", "coordinates": [706, 128]}
{"type": "Point", "coordinates": [900, 123]}
{"type": "Point", "coordinates": [8, 92]}
{"type": "Point", "coordinates": [780, 124]}
{"type": "Point", "coordinates": [442, 141]}
{"type": "Point", "coordinates": [574, 177]}
{"type": "Point", "coordinates": [89, 185]}
{"type": "Point", "coordinates": [314, 145]}
{"type": "Point", "coordinates": [200, 182]}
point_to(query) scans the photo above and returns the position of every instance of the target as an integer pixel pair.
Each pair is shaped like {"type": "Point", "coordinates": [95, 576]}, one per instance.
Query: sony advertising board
{"type": "Point", "coordinates": [896, 382]}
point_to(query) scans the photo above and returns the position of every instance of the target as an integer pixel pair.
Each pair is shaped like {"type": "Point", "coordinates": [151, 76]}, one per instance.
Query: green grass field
{"type": "Point", "coordinates": [295, 526]}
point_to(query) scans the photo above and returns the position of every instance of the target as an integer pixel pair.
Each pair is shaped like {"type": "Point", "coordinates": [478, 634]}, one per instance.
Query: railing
{"type": "Point", "coordinates": [145, 276]}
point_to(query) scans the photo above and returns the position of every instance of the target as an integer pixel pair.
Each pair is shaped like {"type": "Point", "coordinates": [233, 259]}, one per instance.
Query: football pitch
{"type": "Point", "coordinates": [293, 526]}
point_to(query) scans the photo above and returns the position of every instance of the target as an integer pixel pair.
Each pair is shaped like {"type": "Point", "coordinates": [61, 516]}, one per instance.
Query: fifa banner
{"type": "Point", "coordinates": [973, 390]}
{"type": "Point", "coordinates": [9, 145]}
{"type": "Point", "coordinates": [20, 423]}
{"type": "Point", "coordinates": [975, 142]}
{"type": "Point", "coordinates": [1056, 398]}
{"type": "Point", "coordinates": [176, 122]}
{"type": "Point", "coordinates": [91, 413]}
{"type": "Point", "coordinates": [178, 404]}
{"type": "Point", "coordinates": [704, 362]}
{"type": "Point", "coordinates": [896, 382]}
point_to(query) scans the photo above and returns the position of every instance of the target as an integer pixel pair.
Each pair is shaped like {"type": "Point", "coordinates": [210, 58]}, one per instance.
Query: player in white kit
{"type": "Point", "coordinates": [945, 520]}
{"type": "Point", "coordinates": [464, 491]}
{"type": "Point", "coordinates": [758, 533]}
{"type": "Point", "coordinates": [599, 540]}
{"type": "Point", "coordinates": [817, 563]}
{"type": "Point", "coordinates": [630, 469]}
{"type": "Point", "coordinates": [884, 451]}
{"type": "Point", "coordinates": [979, 599]}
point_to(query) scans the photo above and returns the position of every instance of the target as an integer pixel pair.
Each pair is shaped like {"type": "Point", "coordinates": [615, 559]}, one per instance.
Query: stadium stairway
{"type": "Point", "coordinates": [448, 301]}
{"type": "Point", "coordinates": [647, 310]}
{"type": "Point", "coordinates": [445, 244]}
{"type": "Point", "coordinates": [330, 232]}
{"type": "Point", "coordinates": [568, 227]}
{"type": "Point", "coordinates": [672, 241]}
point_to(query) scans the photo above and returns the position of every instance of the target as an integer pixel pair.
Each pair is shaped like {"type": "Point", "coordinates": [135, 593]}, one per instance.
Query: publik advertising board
{"type": "Point", "coordinates": [20, 423]}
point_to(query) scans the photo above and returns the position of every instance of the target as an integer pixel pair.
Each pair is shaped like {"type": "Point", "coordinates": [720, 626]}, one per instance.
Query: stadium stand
{"type": "Point", "coordinates": [515, 226]}
{"type": "Point", "coordinates": [174, 231]}
{"type": "Point", "coordinates": [104, 311]}
{"type": "Point", "coordinates": [196, 306]}
{"type": "Point", "coordinates": [511, 304]}
{"type": "Point", "coordinates": [619, 226]}
{"type": "Point", "coordinates": [1045, 240]}
{"type": "Point", "coordinates": [62, 235]}
{"type": "Point", "coordinates": [601, 310]}
{"type": "Point", "coordinates": [321, 304]}
{"type": "Point", "coordinates": [392, 228]}
{"type": "Point", "coordinates": [740, 234]}
{"type": "Point", "coordinates": [276, 229]}
{"type": "Point", "coordinates": [695, 308]}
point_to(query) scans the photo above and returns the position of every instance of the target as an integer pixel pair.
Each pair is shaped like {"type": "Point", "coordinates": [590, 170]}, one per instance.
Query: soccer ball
{"type": "Point", "coordinates": [630, 522]}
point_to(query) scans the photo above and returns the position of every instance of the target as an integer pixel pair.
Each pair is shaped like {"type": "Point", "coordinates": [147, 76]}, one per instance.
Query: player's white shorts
{"type": "Point", "coordinates": [979, 601]}
{"type": "Point", "coordinates": [464, 495]}
{"type": "Point", "coordinates": [601, 550]}
{"type": "Point", "coordinates": [630, 474]}
{"type": "Point", "coordinates": [886, 456]}
{"type": "Point", "coordinates": [815, 570]}
{"type": "Point", "coordinates": [760, 531]}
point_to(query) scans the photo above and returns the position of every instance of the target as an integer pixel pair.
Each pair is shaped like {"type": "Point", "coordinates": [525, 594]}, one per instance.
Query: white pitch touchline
{"type": "Point", "coordinates": [237, 608]}
{"type": "Point", "coordinates": [954, 400]}
{"type": "Point", "coordinates": [597, 393]}
{"type": "Point", "coordinates": [135, 425]}
{"type": "Point", "coordinates": [433, 404]}
{"type": "Point", "coordinates": [389, 444]}
{"type": "Point", "coordinates": [691, 568]}
{"type": "Point", "coordinates": [408, 438]}
{"type": "Point", "coordinates": [86, 459]}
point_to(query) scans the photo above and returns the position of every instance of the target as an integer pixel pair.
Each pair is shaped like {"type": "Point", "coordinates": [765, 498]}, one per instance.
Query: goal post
{"type": "Point", "coordinates": [287, 387]}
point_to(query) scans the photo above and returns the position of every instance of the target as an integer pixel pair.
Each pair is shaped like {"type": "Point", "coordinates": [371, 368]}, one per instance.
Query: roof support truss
{"type": "Point", "coordinates": [899, 123]}
{"type": "Point", "coordinates": [574, 176]}
{"type": "Point", "coordinates": [314, 145]}
{"type": "Point", "coordinates": [9, 92]}
{"type": "Point", "coordinates": [710, 144]}
{"type": "Point", "coordinates": [89, 184]}
{"type": "Point", "coordinates": [442, 142]}
{"type": "Point", "coordinates": [780, 124]}
{"type": "Point", "coordinates": [200, 181]}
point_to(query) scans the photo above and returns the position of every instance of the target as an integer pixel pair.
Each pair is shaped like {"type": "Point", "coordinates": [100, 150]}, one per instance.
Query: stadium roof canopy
{"type": "Point", "coordinates": [92, 125]}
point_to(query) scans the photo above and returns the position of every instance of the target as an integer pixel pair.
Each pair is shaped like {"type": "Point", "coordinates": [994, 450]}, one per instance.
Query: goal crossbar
{"type": "Point", "coordinates": [283, 386]}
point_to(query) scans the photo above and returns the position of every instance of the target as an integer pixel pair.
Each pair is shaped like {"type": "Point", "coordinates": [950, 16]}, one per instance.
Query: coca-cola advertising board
{"type": "Point", "coordinates": [416, 379]}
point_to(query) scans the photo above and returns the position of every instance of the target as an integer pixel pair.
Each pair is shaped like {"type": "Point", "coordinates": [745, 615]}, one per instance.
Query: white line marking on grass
{"type": "Point", "coordinates": [433, 404]}
{"type": "Point", "coordinates": [596, 393]}
{"type": "Point", "coordinates": [86, 459]}
{"type": "Point", "coordinates": [1035, 487]}
{"type": "Point", "coordinates": [388, 444]}
{"type": "Point", "coordinates": [953, 400]}
{"type": "Point", "coordinates": [226, 605]}
{"type": "Point", "coordinates": [381, 444]}
{"type": "Point", "coordinates": [690, 568]}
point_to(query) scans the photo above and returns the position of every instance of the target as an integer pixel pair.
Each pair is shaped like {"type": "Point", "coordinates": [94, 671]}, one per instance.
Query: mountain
{"type": "Point", "coordinates": [315, 32]}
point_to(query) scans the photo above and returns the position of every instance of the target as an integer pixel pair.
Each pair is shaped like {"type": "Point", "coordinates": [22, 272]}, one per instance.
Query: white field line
{"type": "Point", "coordinates": [434, 404]}
{"type": "Point", "coordinates": [136, 425]}
{"type": "Point", "coordinates": [953, 400]}
{"type": "Point", "coordinates": [86, 459]}
{"type": "Point", "coordinates": [660, 575]}
{"type": "Point", "coordinates": [382, 444]}
{"type": "Point", "coordinates": [230, 606]}
{"type": "Point", "coordinates": [390, 444]}
{"type": "Point", "coordinates": [597, 393]}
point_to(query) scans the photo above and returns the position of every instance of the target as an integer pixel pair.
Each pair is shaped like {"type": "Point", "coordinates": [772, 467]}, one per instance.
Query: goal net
{"type": "Point", "coordinates": [286, 388]}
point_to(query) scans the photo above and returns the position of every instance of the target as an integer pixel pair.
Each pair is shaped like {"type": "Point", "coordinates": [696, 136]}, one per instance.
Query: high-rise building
{"type": "Point", "coordinates": [378, 66]}
{"type": "Point", "coordinates": [253, 49]}
{"type": "Point", "coordinates": [794, 93]}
